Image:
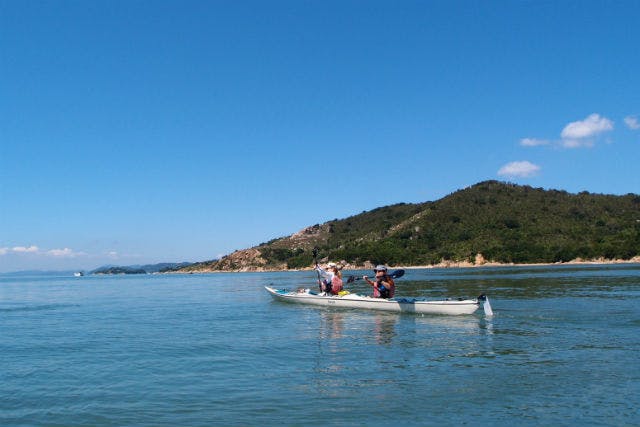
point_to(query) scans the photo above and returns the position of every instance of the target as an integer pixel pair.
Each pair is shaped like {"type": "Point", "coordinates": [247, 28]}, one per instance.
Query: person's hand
{"type": "Point", "coordinates": [365, 277]}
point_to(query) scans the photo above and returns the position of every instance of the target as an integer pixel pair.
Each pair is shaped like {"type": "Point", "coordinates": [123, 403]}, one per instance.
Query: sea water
{"type": "Point", "coordinates": [215, 350]}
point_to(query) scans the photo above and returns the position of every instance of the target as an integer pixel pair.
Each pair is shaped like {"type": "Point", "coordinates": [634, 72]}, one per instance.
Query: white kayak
{"type": "Point", "coordinates": [408, 305]}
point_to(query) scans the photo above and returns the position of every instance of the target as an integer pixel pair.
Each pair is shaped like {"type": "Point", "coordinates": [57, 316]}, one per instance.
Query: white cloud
{"type": "Point", "coordinates": [577, 143]}
{"type": "Point", "coordinates": [589, 127]}
{"type": "Point", "coordinates": [24, 249]}
{"type": "Point", "coordinates": [581, 133]}
{"type": "Point", "coordinates": [64, 253]}
{"type": "Point", "coordinates": [533, 142]}
{"type": "Point", "coordinates": [519, 169]}
{"type": "Point", "coordinates": [632, 122]}
{"type": "Point", "coordinates": [4, 251]}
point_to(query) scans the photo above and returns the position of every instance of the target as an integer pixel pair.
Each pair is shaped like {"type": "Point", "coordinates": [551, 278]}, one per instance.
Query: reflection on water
{"type": "Point", "coordinates": [369, 324]}
{"type": "Point", "coordinates": [331, 324]}
{"type": "Point", "coordinates": [347, 334]}
{"type": "Point", "coordinates": [450, 323]}
{"type": "Point", "coordinates": [384, 328]}
{"type": "Point", "coordinates": [346, 350]}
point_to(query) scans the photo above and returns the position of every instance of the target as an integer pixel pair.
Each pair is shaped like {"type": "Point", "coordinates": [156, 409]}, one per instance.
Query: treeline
{"type": "Point", "coordinates": [119, 270]}
{"type": "Point", "coordinates": [141, 269]}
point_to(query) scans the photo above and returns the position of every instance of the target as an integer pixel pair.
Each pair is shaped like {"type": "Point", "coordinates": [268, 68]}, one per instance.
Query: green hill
{"type": "Point", "coordinates": [503, 222]}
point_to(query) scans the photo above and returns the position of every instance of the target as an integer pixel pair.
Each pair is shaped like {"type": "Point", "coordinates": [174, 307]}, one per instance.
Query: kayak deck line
{"type": "Point", "coordinates": [410, 305]}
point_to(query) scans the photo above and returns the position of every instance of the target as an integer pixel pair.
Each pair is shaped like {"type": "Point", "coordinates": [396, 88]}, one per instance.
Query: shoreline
{"type": "Point", "coordinates": [442, 265]}
{"type": "Point", "coordinates": [467, 264]}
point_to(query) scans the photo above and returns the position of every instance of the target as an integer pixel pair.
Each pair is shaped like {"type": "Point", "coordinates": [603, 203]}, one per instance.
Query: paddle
{"type": "Point", "coordinates": [315, 259]}
{"type": "Point", "coordinates": [486, 305]}
{"type": "Point", "coordinates": [394, 275]}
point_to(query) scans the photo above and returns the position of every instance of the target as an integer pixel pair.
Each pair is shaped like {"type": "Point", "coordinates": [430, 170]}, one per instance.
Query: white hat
{"type": "Point", "coordinates": [331, 265]}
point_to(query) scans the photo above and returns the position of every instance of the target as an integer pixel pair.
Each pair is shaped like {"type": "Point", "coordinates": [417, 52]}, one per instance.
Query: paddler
{"type": "Point", "coordinates": [383, 286]}
{"type": "Point", "coordinates": [331, 283]}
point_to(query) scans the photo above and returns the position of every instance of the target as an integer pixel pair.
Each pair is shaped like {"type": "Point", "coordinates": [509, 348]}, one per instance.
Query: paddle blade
{"type": "Point", "coordinates": [486, 305]}
{"type": "Point", "coordinates": [397, 274]}
{"type": "Point", "coordinates": [351, 279]}
{"type": "Point", "coordinates": [487, 308]}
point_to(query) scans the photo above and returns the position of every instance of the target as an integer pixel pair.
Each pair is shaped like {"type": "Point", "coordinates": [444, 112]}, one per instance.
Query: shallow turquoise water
{"type": "Point", "coordinates": [202, 350]}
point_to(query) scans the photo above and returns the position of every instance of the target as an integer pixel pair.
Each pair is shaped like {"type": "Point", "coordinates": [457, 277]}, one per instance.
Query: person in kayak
{"type": "Point", "coordinates": [383, 286]}
{"type": "Point", "coordinates": [332, 279]}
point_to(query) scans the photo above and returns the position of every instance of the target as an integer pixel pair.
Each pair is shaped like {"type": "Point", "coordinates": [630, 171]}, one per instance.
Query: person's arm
{"type": "Point", "coordinates": [324, 273]}
{"type": "Point", "coordinates": [389, 284]}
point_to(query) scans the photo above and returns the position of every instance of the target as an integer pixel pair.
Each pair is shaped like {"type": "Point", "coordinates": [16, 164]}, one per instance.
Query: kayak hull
{"type": "Point", "coordinates": [397, 305]}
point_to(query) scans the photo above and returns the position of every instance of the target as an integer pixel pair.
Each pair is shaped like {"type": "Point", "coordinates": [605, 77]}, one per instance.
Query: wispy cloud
{"type": "Point", "coordinates": [533, 142]}
{"type": "Point", "coordinates": [34, 250]}
{"type": "Point", "coordinates": [632, 122]}
{"type": "Point", "coordinates": [64, 253]}
{"type": "Point", "coordinates": [577, 143]}
{"type": "Point", "coordinates": [25, 249]}
{"type": "Point", "coordinates": [521, 169]}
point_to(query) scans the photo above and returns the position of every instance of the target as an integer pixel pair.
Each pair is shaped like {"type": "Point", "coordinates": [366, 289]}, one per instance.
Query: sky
{"type": "Point", "coordinates": [136, 132]}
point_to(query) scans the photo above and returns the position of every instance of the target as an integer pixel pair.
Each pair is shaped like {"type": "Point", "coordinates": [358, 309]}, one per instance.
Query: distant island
{"type": "Point", "coordinates": [140, 269]}
{"type": "Point", "coordinates": [119, 270]}
{"type": "Point", "coordinates": [488, 223]}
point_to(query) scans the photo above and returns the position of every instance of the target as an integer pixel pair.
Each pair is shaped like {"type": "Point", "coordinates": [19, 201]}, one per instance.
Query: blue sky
{"type": "Point", "coordinates": [149, 131]}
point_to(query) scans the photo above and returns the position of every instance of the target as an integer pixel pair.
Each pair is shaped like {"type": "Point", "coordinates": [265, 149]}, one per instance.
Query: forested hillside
{"type": "Point", "coordinates": [503, 222]}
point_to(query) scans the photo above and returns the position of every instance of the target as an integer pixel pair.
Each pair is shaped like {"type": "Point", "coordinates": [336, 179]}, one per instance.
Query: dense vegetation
{"type": "Point", "coordinates": [507, 223]}
{"type": "Point", "coordinates": [140, 269]}
{"type": "Point", "coordinates": [503, 222]}
{"type": "Point", "coordinates": [118, 270]}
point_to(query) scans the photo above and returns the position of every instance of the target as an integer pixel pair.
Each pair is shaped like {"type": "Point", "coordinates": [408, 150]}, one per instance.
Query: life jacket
{"type": "Point", "coordinates": [382, 291]}
{"type": "Point", "coordinates": [336, 284]}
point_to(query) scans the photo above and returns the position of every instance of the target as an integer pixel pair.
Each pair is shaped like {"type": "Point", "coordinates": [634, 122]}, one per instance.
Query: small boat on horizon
{"type": "Point", "coordinates": [78, 274]}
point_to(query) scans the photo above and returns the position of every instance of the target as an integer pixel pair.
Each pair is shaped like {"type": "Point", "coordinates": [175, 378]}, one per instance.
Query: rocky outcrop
{"type": "Point", "coordinates": [480, 260]}
{"type": "Point", "coordinates": [307, 238]}
{"type": "Point", "coordinates": [243, 260]}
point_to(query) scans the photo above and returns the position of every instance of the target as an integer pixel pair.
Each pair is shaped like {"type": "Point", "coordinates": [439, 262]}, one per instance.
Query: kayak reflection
{"type": "Point", "coordinates": [331, 325]}
{"type": "Point", "coordinates": [384, 328]}
{"type": "Point", "coordinates": [381, 327]}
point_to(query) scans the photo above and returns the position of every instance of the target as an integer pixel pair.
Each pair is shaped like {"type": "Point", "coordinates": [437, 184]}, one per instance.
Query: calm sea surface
{"type": "Point", "coordinates": [201, 350]}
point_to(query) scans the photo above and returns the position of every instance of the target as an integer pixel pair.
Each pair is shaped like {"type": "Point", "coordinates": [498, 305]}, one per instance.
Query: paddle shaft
{"type": "Point", "coordinates": [394, 275]}
{"type": "Point", "coordinates": [315, 259]}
